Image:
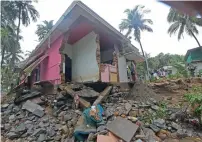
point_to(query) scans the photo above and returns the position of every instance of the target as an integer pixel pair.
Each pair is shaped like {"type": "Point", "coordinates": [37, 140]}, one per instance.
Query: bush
{"type": "Point", "coordinates": [194, 97]}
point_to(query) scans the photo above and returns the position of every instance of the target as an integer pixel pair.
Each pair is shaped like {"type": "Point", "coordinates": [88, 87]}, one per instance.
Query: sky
{"type": "Point", "coordinates": [112, 12]}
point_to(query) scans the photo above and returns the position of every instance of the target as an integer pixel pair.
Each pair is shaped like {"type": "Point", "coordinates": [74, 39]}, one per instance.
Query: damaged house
{"type": "Point", "coordinates": [81, 47]}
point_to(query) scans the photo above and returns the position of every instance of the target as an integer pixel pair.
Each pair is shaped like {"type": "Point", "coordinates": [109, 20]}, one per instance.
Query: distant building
{"type": "Point", "coordinates": [194, 57]}
{"type": "Point", "coordinates": [170, 69]}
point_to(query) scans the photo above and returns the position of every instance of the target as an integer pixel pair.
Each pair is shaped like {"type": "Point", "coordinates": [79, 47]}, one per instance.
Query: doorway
{"type": "Point", "coordinates": [68, 69]}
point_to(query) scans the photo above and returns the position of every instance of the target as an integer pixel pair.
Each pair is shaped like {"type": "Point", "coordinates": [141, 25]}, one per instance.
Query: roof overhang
{"type": "Point", "coordinates": [73, 12]}
{"type": "Point", "coordinates": [191, 50]}
{"type": "Point", "coordinates": [134, 56]}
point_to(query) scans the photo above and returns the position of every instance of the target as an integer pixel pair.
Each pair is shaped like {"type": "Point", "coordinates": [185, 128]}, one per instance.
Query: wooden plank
{"type": "Point", "coordinates": [82, 102]}
{"type": "Point", "coordinates": [102, 95]}
{"type": "Point", "coordinates": [113, 77]}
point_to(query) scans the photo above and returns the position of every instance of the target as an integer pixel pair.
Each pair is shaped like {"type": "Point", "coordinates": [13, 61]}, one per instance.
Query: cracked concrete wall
{"type": "Point", "coordinates": [84, 64]}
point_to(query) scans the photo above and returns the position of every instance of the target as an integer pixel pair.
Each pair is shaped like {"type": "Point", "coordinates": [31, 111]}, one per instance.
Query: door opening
{"type": "Point", "coordinates": [68, 69]}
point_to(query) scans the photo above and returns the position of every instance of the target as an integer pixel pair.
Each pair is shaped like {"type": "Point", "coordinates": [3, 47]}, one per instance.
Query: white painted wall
{"type": "Point", "coordinates": [122, 66]}
{"type": "Point", "coordinates": [174, 70]}
{"type": "Point", "coordinates": [84, 63]}
{"type": "Point", "coordinates": [198, 67]}
{"type": "Point", "coordinates": [122, 69]}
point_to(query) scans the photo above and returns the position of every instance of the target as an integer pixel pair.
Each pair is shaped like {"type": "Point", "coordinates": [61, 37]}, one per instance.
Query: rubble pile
{"type": "Point", "coordinates": [141, 92]}
{"type": "Point", "coordinates": [44, 118]}
{"type": "Point", "coordinates": [61, 117]}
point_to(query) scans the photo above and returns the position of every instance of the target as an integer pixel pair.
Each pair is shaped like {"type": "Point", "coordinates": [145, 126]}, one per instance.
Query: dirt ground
{"type": "Point", "coordinates": [172, 91]}
{"type": "Point", "coordinates": [169, 91]}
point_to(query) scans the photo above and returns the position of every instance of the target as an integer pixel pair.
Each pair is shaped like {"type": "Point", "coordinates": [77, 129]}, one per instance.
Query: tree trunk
{"type": "Point", "coordinates": [17, 38]}
{"type": "Point", "coordinates": [2, 58]}
{"type": "Point", "coordinates": [146, 64]}
{"type": "Point", "coordinates": [195, 38]}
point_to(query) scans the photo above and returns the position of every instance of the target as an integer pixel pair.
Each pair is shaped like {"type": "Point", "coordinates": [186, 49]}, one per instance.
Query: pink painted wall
{"type": "Point", "coordinates": [105, 74]}
{"type": "Point", "coordinates": [43, 67]}
{"type": "Point", "coordinates": [50, 69]}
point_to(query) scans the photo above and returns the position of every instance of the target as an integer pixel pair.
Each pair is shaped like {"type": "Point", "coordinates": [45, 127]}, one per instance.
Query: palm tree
{"type": "Point", "coordinates": [25, 13]}
{"type": "Point", "coordinates": [183, 23]}
{"type": "Point", "coordinates": [8, 43]}
{"type": "Point", "coordinates": [17, 56]}
{"type": "Point", "coordinates": [137, 23]}
{"type": "Point", "coordinates": [43, 29]}
{"type": "Point", "coordinates": [8, 34]}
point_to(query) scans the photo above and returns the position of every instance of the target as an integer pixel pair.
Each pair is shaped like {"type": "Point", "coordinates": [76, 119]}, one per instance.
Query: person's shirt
{"type": "Point", "coordinates": [133, 65]}
{"type": "Point", "coordinates": [163, 73]}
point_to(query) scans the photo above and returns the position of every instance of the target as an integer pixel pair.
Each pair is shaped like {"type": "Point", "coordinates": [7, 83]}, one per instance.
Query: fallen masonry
{"type": "Point", "coordinates": [71, 114]}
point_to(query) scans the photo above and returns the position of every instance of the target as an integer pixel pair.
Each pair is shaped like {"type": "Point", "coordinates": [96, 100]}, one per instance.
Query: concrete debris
{"type": "Point", "coordinates": [27, 96]}
{"type": "Point", "coordinates": [175, 125]}
{"type": "Point", "coordinates": [4, 106]}
{"type": "Point", "coordinates": [159, 123]}
{"type": "Point", "coordinates": [74, 95]}
{"type": "Point", "coordinates": [119, 124]}
{"type": "Point", "coordinates": [12, 135]}
{"type": "Point", "coordinates": [33, 108]}
{"type": "Point", "coordinates": [121, 116]}
{"type": "Point", "coordinates": [87, 92]}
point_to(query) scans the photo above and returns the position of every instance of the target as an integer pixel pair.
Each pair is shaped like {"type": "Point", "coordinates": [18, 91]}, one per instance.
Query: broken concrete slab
{"type": "Point", "coordinates": [3, 106]}
{"type": "Point", "coordinates": [155, 107]}
{"type": "Point", "coordinates": [72, 93]}
{"type": "Point", "coordinates": [128, 107]}
{"type": "Point", "coordinates": [87, 92]}
{"type": "Point", "coordinates": [159, 123]}
{"type": "Point", "coordinates": [154, 128]}
{"type": "Point", "coordinates": [12, 135]}
{"type": "Point", "coordinates": [175, 125]}
{"type": "Point", "coordinates": [102, 95]}
{"type": "Point", "coordinates": [37, 101]}
{"type": "Point", "coordinates": [123, 128]}
{"type": "Point", "coordinates": [21, 128]}
{"type": "Point", "coordinates": [33, 108]}
{"type": "Point", "coordinates": [38, 112]}
{"type": "Point", "coordinates": [27, 96]}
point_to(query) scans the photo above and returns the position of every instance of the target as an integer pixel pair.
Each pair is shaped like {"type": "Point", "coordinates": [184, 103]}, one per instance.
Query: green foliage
{"type": "Point", "coordinates": [175, 76]}
{"type": "Point", "coordinates": [181, 69]}
{"type": "Point", "coordinates": [162, 112]}
{"type": "Point", "coordinates": [194, 97]}
{"type": "Point", "coordinates": [162, 60]}
{"type": "Point", "coordinates": [200, 72]}
{"type": "Point", "coordinates": [135, 21]}
{"type": "Point", "coordinates": [13, 14]}
{"type": "Point", "coordinates": [7, 78]}
{"type": "Point", "coordinates": [43, 29]}
{"type": "Point", "coordinates": [183, 23]}
{"type": "Point", "coordinates": [140, 69]}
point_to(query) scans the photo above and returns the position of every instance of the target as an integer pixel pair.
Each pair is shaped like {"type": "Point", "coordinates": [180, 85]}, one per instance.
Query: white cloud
{"type": "Point", "coordinates": [112, 12]}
